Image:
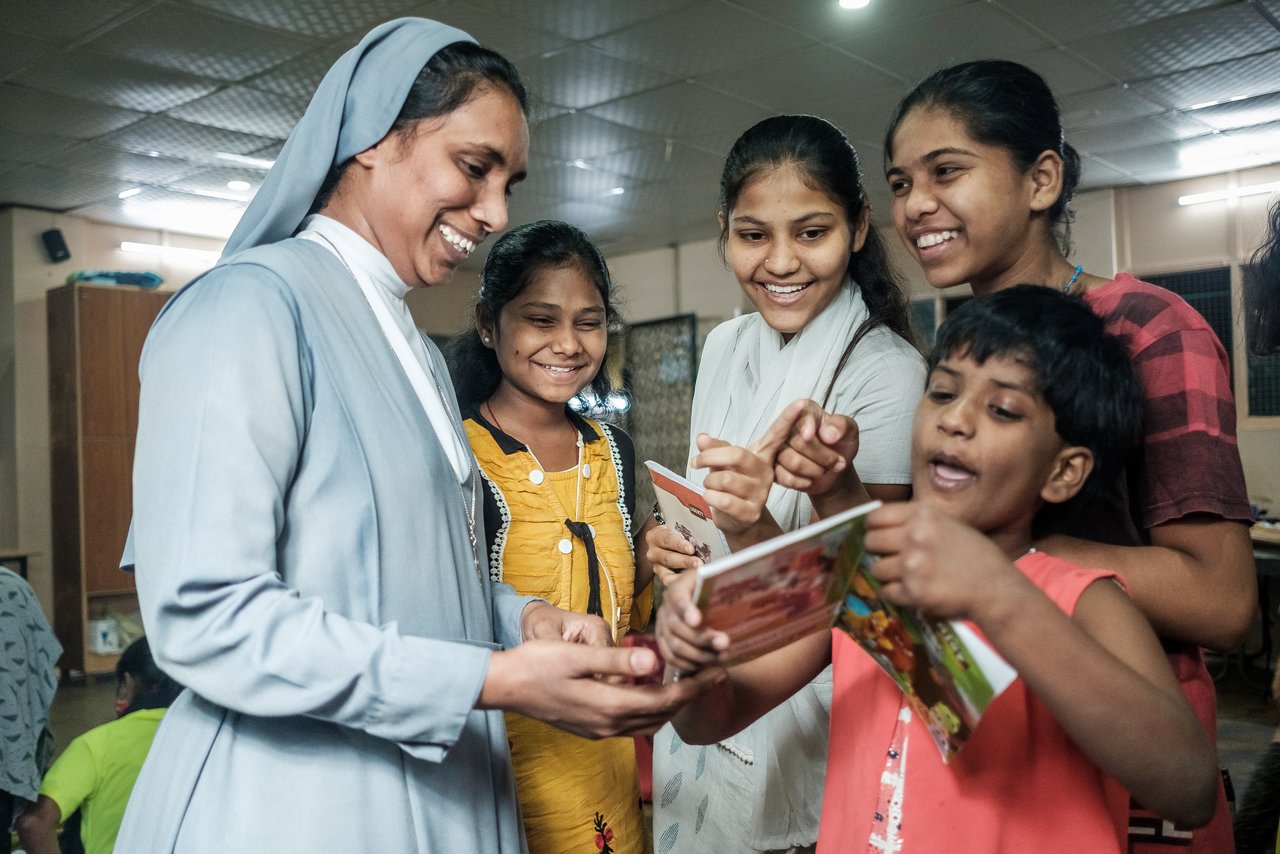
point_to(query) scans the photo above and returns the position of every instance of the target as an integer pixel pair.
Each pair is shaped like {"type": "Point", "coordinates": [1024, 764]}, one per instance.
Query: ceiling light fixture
{"type": "Point", "coordinates": [617, 191]}
{"type": "Point", "coordinates": [176, 253]}
{"type": "Point", "coordinates": [854, 4]}
{"type": "Point", "coordinates": [239, 186]}
{"type": "Point", "coordinates": [129, 193]}
{"type": "Point", "coordinates": [1229, 193]}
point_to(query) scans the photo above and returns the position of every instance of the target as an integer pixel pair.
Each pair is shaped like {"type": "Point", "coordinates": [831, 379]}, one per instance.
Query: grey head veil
{"type": "Point", "coordinates": [352, 109]}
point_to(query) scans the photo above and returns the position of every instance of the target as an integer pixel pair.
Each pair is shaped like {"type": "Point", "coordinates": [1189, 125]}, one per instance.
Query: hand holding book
{"type": "Point", "coordinates": [773, 594]}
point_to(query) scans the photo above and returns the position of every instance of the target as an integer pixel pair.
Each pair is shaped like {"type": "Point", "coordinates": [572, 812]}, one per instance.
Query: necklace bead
{"type": "Point", "coordinates": [1066, 289]}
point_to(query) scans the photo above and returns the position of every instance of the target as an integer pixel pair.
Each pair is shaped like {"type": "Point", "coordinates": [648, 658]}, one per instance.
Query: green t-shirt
{"type": "Point", "coordinates": [96, 773]}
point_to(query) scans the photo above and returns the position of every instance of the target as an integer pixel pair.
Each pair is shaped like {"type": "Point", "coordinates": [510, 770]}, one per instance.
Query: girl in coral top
{"type": "Point", "coordinates": [559, 504]}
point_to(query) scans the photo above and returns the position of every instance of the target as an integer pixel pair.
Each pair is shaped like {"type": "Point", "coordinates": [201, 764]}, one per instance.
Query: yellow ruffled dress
{"type": "Point", "coordinates": [575, 794]}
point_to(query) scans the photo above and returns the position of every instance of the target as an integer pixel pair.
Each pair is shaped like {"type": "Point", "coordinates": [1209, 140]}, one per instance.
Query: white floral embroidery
{"type": "Point", "coordinates": [499, 536]}
{"type": "Point", "coordinates": [607, 431]}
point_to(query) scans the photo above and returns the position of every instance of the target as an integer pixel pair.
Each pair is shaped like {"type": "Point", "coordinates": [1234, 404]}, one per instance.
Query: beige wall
{"type": "Point", "coordinates": [1141, 229]}
{"type": "Point", "coordinates": [25, 275]}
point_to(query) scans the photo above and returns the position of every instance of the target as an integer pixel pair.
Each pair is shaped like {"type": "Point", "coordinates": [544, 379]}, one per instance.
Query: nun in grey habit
{"type": "Point", "coordinates": [304, 534]}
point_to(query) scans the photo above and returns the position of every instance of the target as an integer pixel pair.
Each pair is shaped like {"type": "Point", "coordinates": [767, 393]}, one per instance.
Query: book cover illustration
{"type": "Point", "coordinates": [948, 673]}
{"type": "Point", "coordinates": [818, 576]}
{"type": "Point", "coordinates": [779, 591]}
{"type": "Point", "coordinates": [685, 510]}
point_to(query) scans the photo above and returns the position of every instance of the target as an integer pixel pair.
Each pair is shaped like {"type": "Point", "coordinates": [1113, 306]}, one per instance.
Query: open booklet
{"type": "Point", "coordinates": [685, 510]}
{"type": "Point", "coordinates": [814, 577]}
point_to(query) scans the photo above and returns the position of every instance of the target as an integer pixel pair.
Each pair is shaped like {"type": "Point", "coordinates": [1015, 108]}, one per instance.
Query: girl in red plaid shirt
{"type": "Point", "coordinates": [981, 177]}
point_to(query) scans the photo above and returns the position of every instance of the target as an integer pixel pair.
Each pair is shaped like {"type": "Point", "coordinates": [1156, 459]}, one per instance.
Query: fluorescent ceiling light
{"type": "Point", "coordinates": [239, 186]}
{"type": "Point", "coordinates": [243, 160]}
{"type": "Point", "coordinates": [132, 191]}
{"type": "Point", "coordinates": [1229, 193]}
{"type": "Point", "coordinates": [617, 191]}
{"type": "Point", "coordinates": [854, 4]}
{"type": "Point", "coordinates": [177, 253]}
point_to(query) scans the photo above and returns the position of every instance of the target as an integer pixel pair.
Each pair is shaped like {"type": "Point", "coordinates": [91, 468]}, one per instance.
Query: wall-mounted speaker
{"type": "Point", "coordinates": [55, 246]}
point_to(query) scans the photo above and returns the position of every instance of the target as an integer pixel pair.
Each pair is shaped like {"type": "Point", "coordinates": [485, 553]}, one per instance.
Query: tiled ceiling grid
{"type": "Point", "coordinates": [103, 96]}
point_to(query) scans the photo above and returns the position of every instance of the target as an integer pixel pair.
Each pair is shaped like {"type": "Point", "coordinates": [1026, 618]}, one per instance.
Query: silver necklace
{"type": "Point", "coordinates": [468, 501]}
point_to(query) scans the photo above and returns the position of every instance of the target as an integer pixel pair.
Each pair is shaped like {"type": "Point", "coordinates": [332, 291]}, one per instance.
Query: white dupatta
{"type": "Point", "coordinates": [747, 376]}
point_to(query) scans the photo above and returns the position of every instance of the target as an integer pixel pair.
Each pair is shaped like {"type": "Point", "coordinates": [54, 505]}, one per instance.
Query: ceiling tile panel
{"type": "Point", "coordinates": [246, 110]}
{"type": "Point", "coordinates": [1104, 106]}
{"type": "Point", "coordinates": [212, 183]}
{"type": "Point", "coordinates": [127, 165]}
{"type": "Point", "coordinates": [798, 80]}
{"type": "Point", "coordinates": [584, 19]}
{"type": "Point", "coordinates": [829, 22]}
{"type": "Point", "coordinates": [63, 20]}
{"type": "Point", "coordinates": [20, 51]}
{"type": "Point", "coordinates": [298, 77]}
{"type": "Point", "coordinates": [224, 49]}
{"type": "Point", "coordinates": [696, 39]}
{"type": "Point", "coordinates": [975, 31]}
{"type": "Point", "coordinates": [28, 146]}
{"type": "Point", "coordinates": [575, 135]}
{"type": "Point", "coordinates": [581, 76]}
{"type": "Point", "coordinates": [1252, 75]}
{"type": "Point", "coordinates": [184, 140]}
{"type": "Point", "coordinates": [515, 39]}
{"type": "Point", "coordinates": [1096, 172]}
{"type": "Point", "coordinates": [664, 161]}
{"type": "Point", "coordinates": [684, 110]}
{"type": "Point", "coordinates": [612, 86]}
{"type": "Point", "coordinates": [563, 182]}
{"type": "Point", "coordinates": [863, 116]}
{"type": "Point", "coordinates": [165, 210]}
{"type": "Point", "coordinates": [55, 189]}
{"type": "Point", "coordinates": [1258, 110]}
{"type": "Point", "coordinates": [116, 81]}
{"type": "Point", "coordinates": [1178, 43]}
{"type": "Point", "coordinates": [320, 18]}
{"type": "Point", "coordinates": [1137, 132]}
{"type": "Point", "coordinates": [591, 218]}
{"type": "Point", "coordinates": [1081, 18]}
{"type": "Point", "coordinates": [1066, 72]}
{"type": "Point", "coordinates": [23, 109]}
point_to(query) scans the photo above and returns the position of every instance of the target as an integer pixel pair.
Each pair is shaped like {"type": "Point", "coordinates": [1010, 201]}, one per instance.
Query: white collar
{"type": "Point", "coordinates": [363, 256]}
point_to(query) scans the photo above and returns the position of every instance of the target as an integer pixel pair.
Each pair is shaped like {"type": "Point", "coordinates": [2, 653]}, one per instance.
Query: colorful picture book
{"type": "Point", "coordinates": [819, 576]}
{"type": "Point", "coordinates": [685, 510]}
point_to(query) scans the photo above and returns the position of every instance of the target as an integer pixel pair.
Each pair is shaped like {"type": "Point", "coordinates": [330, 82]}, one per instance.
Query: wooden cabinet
{"type": "Point", "coordinates": [96, 334]}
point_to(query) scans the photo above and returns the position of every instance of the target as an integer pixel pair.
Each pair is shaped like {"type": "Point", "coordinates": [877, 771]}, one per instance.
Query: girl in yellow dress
{"type": "Point", "coordinates": [559, 505]}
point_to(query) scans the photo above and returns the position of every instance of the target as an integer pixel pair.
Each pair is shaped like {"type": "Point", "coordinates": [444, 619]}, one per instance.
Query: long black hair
{"type": "Point", "coordinates": [1004, 104]}
{"type": "Point", "coordinates": [155, 690]}
{"type": "Point", "coordinates": [1262, 290]}
{"type": "Point", "coordinates": [513, 261]}
{"type": "Point", "coordinates": [449, 79]}
{"type": "Point", "coordinates": [829, 164]}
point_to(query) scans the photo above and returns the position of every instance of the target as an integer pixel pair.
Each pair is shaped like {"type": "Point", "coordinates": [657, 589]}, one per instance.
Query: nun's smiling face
{"type": "Point", "coordinates": [427, 197]}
